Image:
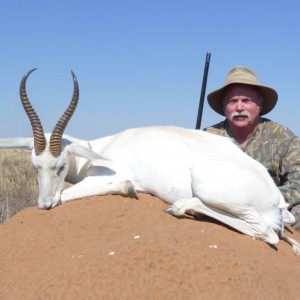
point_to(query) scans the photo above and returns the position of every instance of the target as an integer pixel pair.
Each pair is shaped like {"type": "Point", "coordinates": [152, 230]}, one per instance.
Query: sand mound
{"type": "Point", "coordinates": [113, 247]}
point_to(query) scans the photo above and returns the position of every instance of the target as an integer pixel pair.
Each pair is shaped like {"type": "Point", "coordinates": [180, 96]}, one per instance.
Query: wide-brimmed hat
{"type": "Point", "coordinates": [243, 75]}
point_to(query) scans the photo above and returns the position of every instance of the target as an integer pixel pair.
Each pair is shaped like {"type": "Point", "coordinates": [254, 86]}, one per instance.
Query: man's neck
{"type": "Point", "coordinates": [242, 135]}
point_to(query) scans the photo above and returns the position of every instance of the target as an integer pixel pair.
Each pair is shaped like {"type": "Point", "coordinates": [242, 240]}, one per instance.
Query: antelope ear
{"type": "Point", "coordinates": [103, 163]}
{"type": "Point", "coordinates": [17, 143]}
{"type": "Point", "coordinates": [81, 151]}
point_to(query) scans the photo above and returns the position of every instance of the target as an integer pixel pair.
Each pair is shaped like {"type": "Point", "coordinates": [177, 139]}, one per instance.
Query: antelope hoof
{"type": "Point", "coordinates": [131, 192]}
{"type": "Point", "coordinates": [172, 211]}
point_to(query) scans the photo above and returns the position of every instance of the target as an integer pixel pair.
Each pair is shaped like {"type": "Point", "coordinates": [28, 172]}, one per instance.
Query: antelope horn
{"type": "Point", "coordinates": [38, 132]}
{"type": "Point", "coordinates": [56, 135]}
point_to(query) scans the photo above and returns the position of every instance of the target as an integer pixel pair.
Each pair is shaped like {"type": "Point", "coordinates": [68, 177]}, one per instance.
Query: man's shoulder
{"type": "Point", "coordinates": [216, 128]}
{"type": "Point", "coordinates": [274, 129]}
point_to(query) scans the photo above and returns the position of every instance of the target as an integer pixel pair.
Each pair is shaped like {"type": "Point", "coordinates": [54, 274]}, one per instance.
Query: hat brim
{"type": "Point", "coordinates": [270, 96]}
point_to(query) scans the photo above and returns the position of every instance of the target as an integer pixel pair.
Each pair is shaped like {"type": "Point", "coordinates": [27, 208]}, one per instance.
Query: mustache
{"type": "Point", "coordinates": [239, 114]}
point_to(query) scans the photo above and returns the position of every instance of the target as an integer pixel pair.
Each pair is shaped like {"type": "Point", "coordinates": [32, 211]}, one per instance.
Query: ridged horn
{"type": "Point", "coordinates": [56, 135]}
{"type": "Point", "coordinates": [38, 132]}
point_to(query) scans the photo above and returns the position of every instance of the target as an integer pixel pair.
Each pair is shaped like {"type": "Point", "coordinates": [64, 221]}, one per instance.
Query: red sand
{"type": "Point", "coordinates": [113, 247]}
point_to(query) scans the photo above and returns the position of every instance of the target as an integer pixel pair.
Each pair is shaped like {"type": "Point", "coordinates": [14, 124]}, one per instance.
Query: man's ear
{"type": "Point", "coordinates": [261, 103]}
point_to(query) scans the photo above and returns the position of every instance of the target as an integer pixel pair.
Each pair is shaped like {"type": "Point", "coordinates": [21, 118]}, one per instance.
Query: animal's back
{"type": "Point", "coordinates": [171, 141]}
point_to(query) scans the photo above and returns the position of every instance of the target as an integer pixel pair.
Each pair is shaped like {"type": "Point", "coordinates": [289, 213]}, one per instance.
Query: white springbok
{"type": "Point", "coordinates": [195, 171]}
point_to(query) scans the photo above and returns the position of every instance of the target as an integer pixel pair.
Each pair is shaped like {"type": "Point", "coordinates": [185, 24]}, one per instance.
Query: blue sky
{"type": "Point", "coordinates": [140, 63]}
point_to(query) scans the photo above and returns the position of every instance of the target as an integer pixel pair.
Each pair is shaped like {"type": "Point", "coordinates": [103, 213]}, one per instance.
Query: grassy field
{"type": "Point", "coordinates": [18, 183]}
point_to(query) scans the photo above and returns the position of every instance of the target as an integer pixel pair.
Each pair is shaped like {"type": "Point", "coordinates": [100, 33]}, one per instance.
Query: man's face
{"type": "Point", "coordinates": [242, 105]}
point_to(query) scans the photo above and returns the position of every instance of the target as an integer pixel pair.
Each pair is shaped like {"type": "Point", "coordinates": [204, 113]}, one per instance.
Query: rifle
{"type": "Point", "coordinates": [202, 95]}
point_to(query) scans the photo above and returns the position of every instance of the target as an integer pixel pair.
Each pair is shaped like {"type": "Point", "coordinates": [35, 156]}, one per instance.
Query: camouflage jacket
{"type": "Point", "coordinates": [278, 149]}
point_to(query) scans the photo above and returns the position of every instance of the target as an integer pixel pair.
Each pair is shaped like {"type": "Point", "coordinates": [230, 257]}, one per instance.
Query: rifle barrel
{"type": "Point", "coordinates": [203, 88]}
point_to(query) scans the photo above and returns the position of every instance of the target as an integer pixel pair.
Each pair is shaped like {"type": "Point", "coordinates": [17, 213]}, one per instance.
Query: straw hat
{"type": "Point", "coordinates": [243, 75]}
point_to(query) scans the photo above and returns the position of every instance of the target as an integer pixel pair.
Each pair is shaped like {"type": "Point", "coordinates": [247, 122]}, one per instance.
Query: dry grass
{"type": "Point", "coordinates": [18, 183]}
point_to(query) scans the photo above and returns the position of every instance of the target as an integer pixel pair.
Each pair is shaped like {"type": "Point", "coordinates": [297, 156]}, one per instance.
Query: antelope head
{"type": "Point", "coordinates": [50, 155]}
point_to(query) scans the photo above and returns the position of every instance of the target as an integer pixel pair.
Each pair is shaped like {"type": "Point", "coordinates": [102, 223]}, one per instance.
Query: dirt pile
{"type": "Point", "coordinates": [113, 247]}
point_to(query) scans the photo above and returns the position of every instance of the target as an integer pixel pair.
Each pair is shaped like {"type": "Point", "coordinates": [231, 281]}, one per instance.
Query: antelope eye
{"type": "Point", "coordinates": [36, 169]}
{"type": "Point", "coordinates": [60, 170]}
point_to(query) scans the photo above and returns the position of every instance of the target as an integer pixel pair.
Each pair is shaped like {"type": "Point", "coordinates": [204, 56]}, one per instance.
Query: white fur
{"type": "Point", "coordinates": [195, 171]}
